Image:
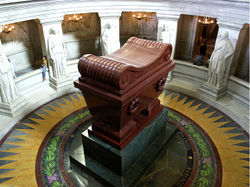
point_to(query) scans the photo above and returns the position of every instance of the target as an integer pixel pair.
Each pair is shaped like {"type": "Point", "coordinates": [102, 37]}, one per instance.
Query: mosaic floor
{"type": "Point", "coordinates": [34, 152]}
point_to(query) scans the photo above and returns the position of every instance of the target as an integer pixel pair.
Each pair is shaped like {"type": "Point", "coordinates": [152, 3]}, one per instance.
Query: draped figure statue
{"type": "Point", "coordinates": [220, 60]}
{"type": "Point", "coordinates": [164, 34]}
{"type": "Point", "coordinates": [56, 53]}
{"type": "Point", "coordinates": [7, 84]}
{"type": "Point", "coordinates": [107, 42]}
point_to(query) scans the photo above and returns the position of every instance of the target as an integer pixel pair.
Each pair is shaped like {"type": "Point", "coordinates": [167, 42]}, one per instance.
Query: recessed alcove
{"type": "Point", "coordinates": [81, 36]}
{"type": "Point", "coordinates": [206, 34]}
{"type": "Point", "coordinates": [192, 34]}
{"type": "Point", "coordinates": [185, 37]}
{"type": "Point", "coordinates": [22, 47]}
{"type": "Point", "coordinates": [142, 28]}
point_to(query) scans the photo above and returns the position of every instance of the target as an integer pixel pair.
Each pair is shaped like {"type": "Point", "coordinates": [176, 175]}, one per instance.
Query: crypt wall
{"type": "Point", "coordinates": [81, 37]}
{"type": "Point", "coordinates": [22, 45]}
{"type": "Point", "coordinates": [180, 19]}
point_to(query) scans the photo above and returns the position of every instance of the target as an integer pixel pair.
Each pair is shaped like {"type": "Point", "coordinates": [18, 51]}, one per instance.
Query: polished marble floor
{"type": "Point", "coordinates": [208, 148]}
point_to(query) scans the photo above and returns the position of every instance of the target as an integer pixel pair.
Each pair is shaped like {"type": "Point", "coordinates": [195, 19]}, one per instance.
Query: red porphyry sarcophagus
{"type": "Point", "coordinates": [121, 89]}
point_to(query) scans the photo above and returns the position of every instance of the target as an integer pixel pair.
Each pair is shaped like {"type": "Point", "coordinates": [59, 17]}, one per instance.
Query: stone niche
{"type": "Point", "coordinates": [22, 46]}
{"type": "Point", "coordinates": [187, 25]}
{"type": "Point", "coordinates": [145, 28]}
{"type": "Point", "coordinates": [205, 33]}
{"type": "Point", "coordinates": [82, 36]}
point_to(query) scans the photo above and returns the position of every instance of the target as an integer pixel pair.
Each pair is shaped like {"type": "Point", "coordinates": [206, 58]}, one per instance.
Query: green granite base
{"type": "Point", "coordinates": [123, 168]}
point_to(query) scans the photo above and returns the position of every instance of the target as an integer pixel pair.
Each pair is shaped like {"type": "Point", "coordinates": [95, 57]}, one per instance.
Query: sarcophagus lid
{"type": "Point", "coordinates": [128, 65]}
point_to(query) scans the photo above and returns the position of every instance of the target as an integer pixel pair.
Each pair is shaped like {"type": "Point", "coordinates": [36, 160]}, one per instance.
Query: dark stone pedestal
{"type": "Point", "coordinates": [123, 168]}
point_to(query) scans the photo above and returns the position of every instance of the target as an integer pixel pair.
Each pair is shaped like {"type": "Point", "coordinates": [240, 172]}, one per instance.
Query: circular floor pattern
{"type": "Point", "coordinates": [40, 138]}
{"type": "Point", "coordinates": [50, 169]}
{"type": "Point", "coordinates": [201, 162]}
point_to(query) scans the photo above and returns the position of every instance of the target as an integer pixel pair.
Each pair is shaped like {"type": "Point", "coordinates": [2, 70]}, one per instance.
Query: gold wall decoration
{"type": "Point", "coordinates": [7, 28]}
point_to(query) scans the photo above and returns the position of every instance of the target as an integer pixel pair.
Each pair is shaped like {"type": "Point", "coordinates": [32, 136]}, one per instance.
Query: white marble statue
{"type": "Point", "coordinates": [164, 34]}
{"type": "Point", "coordinates": [56, 53]}
{"type": "Point", "coordinates": [159, 34]}
{"type": "Point", "coordinates": [219, 62]}
{"type": "Point", "coordinates": [107, 42]}
{"type": "Point", "coordinates": [7, 84]}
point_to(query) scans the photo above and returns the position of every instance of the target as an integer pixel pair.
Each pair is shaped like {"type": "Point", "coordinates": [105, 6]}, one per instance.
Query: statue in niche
{"type": "Point", "coordinates": [7, 83]}
{"type": "Point", "coordinates": [107, 42]}
{"type": "Point", "coordinates": [219, 62]}
{"type": "Point", "coordinates": [164, 34]}
{"type": "Point", "coordinates": [56, 53]}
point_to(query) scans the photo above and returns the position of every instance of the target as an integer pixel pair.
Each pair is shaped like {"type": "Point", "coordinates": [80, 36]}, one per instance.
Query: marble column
{"type": "Point", "coordinates": [232, 31]}
{"type": "Point", "coordinates": [167, 33]}
{"type": "Point", "coordinates": [51, 36]}
{"type": "Point", "coordinates": [110, 32]}
{"type": "Point", "coordinates": [10, 100]}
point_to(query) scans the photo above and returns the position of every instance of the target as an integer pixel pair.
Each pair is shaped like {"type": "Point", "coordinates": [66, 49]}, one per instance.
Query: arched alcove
{"type": "Point", "coordinates": [187, 25]}
{"type": "Point", "coordinates": [81, 36]}
{"type": "Point", "coordinates": [22, 46]}
{"type": "Point", "coordinates": [139, 27]}
{"type": "Point", "coordinates": [206, 34]}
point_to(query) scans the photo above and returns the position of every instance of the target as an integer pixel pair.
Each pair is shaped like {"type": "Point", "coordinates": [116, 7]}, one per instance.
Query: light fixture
{"type": "Point", "coordinates": [139, 15]}
{"type": "Point", "coordinates": [75, 18]}
{"type": "Point", "coordinates": [206, 20]}
{"type": "Point", "coordinates": [7, 28]}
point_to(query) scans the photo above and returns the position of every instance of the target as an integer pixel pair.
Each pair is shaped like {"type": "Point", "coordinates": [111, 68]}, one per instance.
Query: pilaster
{"type": "Point", "coordinates": [167, 25]}
{"type": "Point", "coordinates": [44, 26]}
{"type": "Point", "coordinates": [110, 32]}
{"type": "Point", "coordinates": [57, 81]}
{"type": "Point", "coordinates": [167, 32]}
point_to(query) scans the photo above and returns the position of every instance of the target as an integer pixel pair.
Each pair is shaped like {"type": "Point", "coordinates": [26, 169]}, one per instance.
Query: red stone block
{"type": "Point", "coordinates": [121, 89]}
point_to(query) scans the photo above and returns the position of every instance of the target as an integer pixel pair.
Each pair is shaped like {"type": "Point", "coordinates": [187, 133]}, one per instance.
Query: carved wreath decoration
{"type": "Point", "coordinates": [160, 84]}
{"type": "Point", "coordinates": [133, 106]}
